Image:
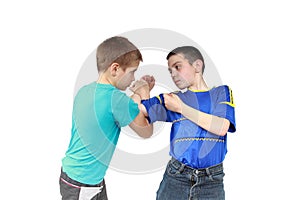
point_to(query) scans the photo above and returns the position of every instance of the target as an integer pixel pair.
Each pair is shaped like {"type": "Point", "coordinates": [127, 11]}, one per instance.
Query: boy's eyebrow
{"type": "Point", "coordinates": [175, 63]}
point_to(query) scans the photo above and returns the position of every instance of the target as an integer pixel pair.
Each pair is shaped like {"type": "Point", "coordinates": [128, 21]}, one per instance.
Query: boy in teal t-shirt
{"type": "Point", "coordinates": [100, 110]}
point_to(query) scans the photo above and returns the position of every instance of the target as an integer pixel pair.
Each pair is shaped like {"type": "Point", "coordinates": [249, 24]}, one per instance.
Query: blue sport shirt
{"type": "Point", "coordinates": [189, 143]}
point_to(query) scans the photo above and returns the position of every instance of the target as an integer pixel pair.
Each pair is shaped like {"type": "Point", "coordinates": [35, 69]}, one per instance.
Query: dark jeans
{"type": "Point", "coordinates": [73, 190]}
{"type": "Point", "coordinates": [181, 182]}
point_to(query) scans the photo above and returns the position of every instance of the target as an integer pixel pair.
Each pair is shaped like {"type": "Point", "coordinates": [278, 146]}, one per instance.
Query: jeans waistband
{"type": "Point", "coordinates": [201, 172]}
{"type": "Point", "coordinates": [67, 179]}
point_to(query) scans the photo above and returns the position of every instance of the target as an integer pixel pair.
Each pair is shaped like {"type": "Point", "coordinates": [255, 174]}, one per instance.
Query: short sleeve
{"type": "Point", "coordinates": [124, 109]}
{"type": "Point", "coordinates": [156, 109]}
{"type": "Point", "coordinates": [224, 106]}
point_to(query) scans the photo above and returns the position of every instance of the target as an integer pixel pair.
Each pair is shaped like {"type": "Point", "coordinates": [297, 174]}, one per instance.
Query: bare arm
{"type": "Point", "coordinates": [140, 88]}
{"type": "Point", "coordinates": [211, 123]}
{"type": "Point", "coordinates": [140, 124]}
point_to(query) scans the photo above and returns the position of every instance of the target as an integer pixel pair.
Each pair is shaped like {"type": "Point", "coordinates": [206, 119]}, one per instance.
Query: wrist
{"type": "Point", "coordinates": [183, 108]}
{"type": "Point", "coordinates": [136, 98]}
{"type": "Point", "coordinates": [144, 94]}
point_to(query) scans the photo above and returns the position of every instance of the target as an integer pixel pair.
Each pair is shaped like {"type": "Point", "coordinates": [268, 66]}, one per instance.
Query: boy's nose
{"type": "Point", "coordinates": [173, 73]}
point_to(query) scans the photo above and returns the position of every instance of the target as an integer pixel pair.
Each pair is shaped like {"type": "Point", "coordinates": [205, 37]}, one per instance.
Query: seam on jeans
{"type": "Point", "coordinates": [199, 139]}
{"type": "Point", "coordinates": [70, 184]}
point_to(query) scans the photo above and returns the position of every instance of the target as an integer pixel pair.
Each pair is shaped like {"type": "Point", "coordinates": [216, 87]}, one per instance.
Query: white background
{"type": "Point", "coordinates": [254, 45]}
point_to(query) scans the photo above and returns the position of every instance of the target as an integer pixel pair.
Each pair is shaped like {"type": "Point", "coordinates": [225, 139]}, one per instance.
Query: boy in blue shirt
{"type": "Point", "coordinates": [100, 110]}
{"type": "Point", "coordinates": [201, 118]}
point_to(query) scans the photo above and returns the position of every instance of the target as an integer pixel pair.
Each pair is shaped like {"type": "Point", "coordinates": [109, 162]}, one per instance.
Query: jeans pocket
{"type": "Point", "coordinates": [218, 176]}
{"type": "Point", "coordinates": [171, 171]}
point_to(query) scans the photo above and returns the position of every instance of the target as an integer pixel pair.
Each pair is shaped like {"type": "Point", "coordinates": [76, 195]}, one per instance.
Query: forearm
{"type": "Point", "coordinates": [140, 124]}
{"type": "Point", "coordinates": [211, 123]}
{"type": "Point", "coordinates": [136, 98]}
{"type": "Point", "coordinates": [144, 94]}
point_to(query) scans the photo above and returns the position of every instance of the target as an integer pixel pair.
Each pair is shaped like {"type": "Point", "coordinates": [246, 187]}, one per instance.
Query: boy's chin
{"type": "Point", "coordinates": [122, 87]}
{"type": "Point", "coordinates": [182, 87]}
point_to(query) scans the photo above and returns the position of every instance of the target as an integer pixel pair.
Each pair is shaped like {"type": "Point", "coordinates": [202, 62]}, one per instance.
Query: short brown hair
{"type": "Point", "coordinates": [116, 49]}
{"type": "Point", "coordinates": [190, 53]}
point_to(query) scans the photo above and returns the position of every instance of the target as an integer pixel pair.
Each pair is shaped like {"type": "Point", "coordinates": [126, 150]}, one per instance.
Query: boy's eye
{"type": "Point", "coordinates": [176, 67]}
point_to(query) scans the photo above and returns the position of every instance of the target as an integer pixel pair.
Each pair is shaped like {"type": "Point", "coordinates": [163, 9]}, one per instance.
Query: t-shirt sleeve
{"type": "Point", "coordinates": [156, 109]}
{"type": "Point", "coordinates": [124, 109]}
{"type": "Point", "coordinates": [225, 107]}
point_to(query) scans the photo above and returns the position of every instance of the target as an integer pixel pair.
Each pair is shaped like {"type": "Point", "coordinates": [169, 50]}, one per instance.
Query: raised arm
{"type": "Point", "coordinates": [141, 89]}
{"type": "Point", "coordinates": [140, 124]}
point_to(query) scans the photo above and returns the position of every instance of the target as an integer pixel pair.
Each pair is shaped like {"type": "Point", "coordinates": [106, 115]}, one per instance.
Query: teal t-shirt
{"type": "Point", "coordinates": [99, 112]}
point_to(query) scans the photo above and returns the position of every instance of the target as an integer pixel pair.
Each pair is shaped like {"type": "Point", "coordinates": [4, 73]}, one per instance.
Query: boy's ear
{"type": "Point", "coordinates": [114, 67]}
{"type": "Point", "coordinates": [198, 64]}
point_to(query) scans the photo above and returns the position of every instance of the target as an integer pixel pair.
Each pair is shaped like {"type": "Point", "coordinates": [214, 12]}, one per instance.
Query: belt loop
{"type": "Point", "coordinates": [209, 174]}
{"type": "Point", "coordinates": [175, 163]}
{"type": "Point", "coordinates": [181, 167]}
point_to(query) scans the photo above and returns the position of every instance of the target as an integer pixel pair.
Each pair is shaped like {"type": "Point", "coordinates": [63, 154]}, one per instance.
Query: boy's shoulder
{"type": "Point", "coordinates": [96, 88]}
{"type": "Point", "coordinates": [220, 88]}
{"type": "Point", "coordinates": [221, 91]}
{"type": "Point", "coordinates": [85, 88]}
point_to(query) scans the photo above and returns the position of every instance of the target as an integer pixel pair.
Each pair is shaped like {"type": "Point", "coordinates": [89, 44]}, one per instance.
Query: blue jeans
{"type": "Point", "coordinates": [181, 182]}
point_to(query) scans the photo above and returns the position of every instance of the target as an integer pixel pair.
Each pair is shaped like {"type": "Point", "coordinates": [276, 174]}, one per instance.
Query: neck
{"type": "Point", "coordinates": [104, 79]}
{"type": "Point", "coordinates": [199, 84]}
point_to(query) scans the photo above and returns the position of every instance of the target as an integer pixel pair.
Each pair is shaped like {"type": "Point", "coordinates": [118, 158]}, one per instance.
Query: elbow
{"type": "Point", "coordinates": [148, 133]}
{"type": "Point", "coordinates": [224, 128]}
{"type": "Point", "coordinates": [222, 133]}
{"type": "Point", "coordinates": [146, 136]}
